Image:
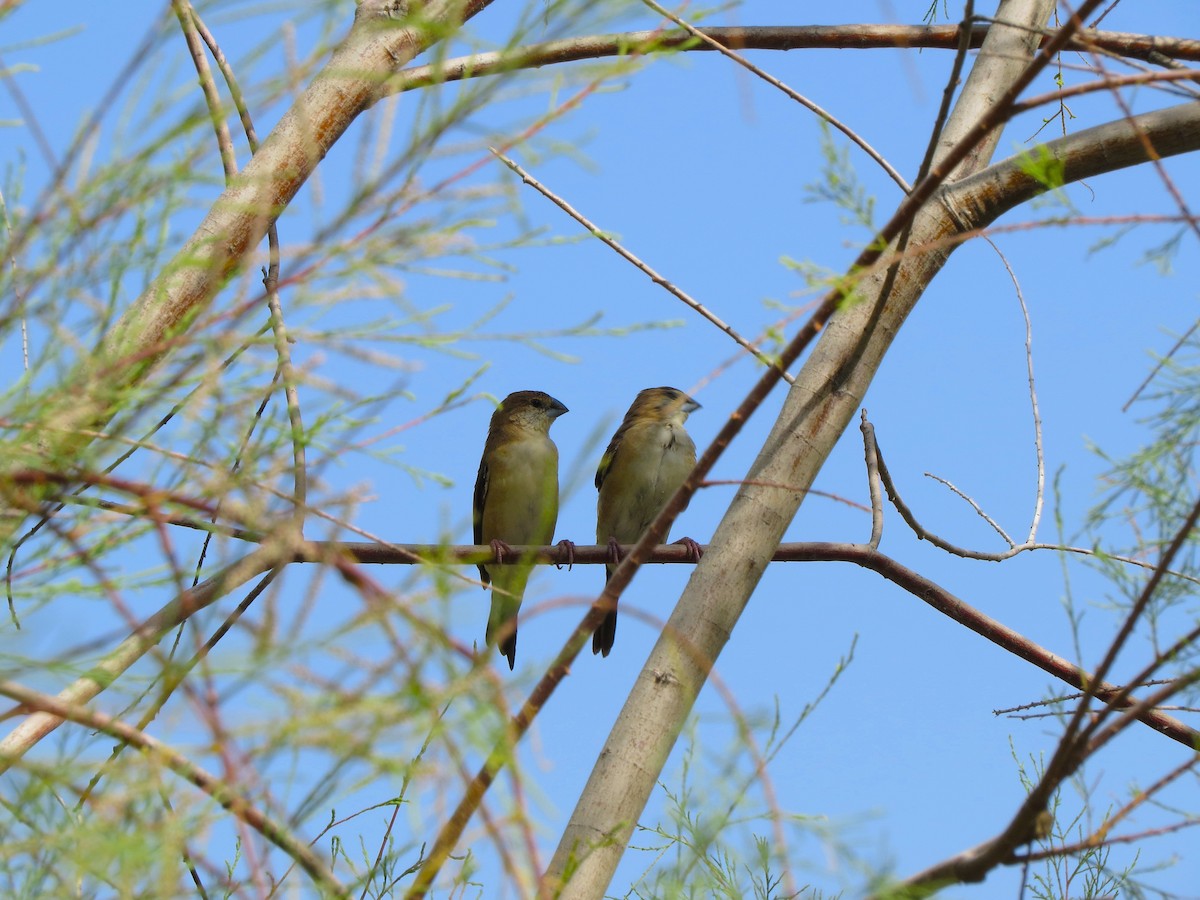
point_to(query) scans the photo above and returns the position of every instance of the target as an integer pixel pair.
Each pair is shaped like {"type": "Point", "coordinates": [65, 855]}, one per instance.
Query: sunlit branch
{"type": "Point", "coordinates": [767, 37]}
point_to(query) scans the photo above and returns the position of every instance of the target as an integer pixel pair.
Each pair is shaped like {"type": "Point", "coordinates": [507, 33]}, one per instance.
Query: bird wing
{"type": "Point", "coordinates": [610, 454]}
{"type": "Point", "coordinates": [481, 490]}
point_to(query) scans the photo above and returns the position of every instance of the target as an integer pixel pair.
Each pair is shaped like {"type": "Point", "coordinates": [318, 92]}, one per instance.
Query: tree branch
{"type": "Point", "coordinates": [1149, 48]}
{"type": "Point", "coordinates": [985, 196]}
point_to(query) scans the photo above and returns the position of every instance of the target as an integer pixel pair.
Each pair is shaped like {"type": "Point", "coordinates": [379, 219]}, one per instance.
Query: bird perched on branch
{"type": "Point", "coordinates": [516, 502]}
{"type": "Point", "coordinates": [646, 461]}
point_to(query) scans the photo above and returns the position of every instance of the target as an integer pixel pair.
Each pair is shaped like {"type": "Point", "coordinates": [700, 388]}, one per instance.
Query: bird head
{"type": "Point", "coordinates": [533, 410]}
{"type": "Point", "coordinates": [667, 404]}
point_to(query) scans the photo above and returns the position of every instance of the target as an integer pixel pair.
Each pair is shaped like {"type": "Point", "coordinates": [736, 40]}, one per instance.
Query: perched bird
{"type": "Point", "coordinates": [646, 461]}
{"type": "Point", "coordinates": [516, 501]}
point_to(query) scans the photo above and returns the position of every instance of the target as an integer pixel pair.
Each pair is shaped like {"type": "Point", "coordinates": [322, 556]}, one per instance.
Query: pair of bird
{"type": "Point", "coordinates": [516, 491]}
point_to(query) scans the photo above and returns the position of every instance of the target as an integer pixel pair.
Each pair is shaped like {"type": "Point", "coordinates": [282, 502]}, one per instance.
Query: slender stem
{"type": "Point", "coordinates": [608, 240]}
{"type": "Point", "coordinates": [779, 85]}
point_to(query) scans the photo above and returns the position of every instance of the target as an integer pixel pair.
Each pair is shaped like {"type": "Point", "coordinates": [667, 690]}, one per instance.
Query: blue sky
{"type": "Point", "coordinates": [703, 171]}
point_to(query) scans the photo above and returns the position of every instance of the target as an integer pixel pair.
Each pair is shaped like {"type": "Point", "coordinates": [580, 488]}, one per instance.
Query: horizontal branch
{"type": "Point", "coordinates": [1149, 48]}
{"type": "Point", "coordinates": [556, 555]}
{"type": "Point", "coordinates": [802, 551]}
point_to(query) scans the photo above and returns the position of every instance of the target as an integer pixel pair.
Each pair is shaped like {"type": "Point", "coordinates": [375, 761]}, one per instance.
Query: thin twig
{"type": "Point", "coordinates": [195, 30]}
{"type": "Point", "coordinates": [776, 83]}
{"type": "Point", "coordinates": [1039, 500]}
{"type": "Point", "coordinates": [925, 534]}
{"type": "Point", "coordinates": [1144, 795]}
{"type": "Point", "coordinates": [625, 254]}
{"type": "Point", "coordinates": [1159, 365]}
{"type": "Point", "coordinates": [183, 12]}
{"type": "Point", "coordinates": [975, 506]}
{"type": "Point", "coordinates": [290, 390]}
{"type": "Point", "coordinates": [1110, 83]}
{"type": "Point", "coordinates": [231, 82]}
{"type": "Point", "coordinates": [950, 91]}
{"type": "Point", "coordinates": [1069, 698]}
{"type": "Point", "coordinates": [1089, 846]}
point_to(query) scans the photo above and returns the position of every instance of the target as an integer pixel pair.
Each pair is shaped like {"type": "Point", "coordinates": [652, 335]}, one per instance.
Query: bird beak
{"type": "Point", "coordinates": [690, 406]}
{"type": "Point", "coordinates": [556, 409]}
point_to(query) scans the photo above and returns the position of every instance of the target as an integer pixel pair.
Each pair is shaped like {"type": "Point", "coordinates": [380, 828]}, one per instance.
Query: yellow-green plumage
{"type": "Point", "coordinates": [516, 501]}
{"type": "Point", "coordinates": [646, 461]}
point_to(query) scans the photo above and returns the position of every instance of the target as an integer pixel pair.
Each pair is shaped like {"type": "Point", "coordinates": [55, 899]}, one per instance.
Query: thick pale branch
{"type": "Point", "coordinates": [985, 196]}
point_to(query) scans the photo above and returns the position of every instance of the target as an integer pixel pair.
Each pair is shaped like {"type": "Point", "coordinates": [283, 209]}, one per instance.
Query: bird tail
{"type": "Point", "coordinates": [508, 639]}
{"type": "Point", "coordinates": [606, 632]}
{"type": "Point", "coordinates": [502, 625]}
{"type": "Point", "coordinates": [508, 647]}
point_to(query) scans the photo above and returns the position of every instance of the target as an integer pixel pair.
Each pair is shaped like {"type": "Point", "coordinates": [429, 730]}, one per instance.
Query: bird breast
{"type": "Point", "coordinates": [525, 473]}
{"type": "Point", "coordinates": [654, 464]}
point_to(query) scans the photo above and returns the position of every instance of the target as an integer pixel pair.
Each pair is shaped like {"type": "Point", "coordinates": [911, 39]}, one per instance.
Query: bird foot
{"type": "Point", "coordinates": [695, 551]}
{"type": "Point", "coordinates": [614, 551]}
{"type": "Point", "coordinates": [568, 548]}
{"type": "Point", "coordinates": [501, 549]}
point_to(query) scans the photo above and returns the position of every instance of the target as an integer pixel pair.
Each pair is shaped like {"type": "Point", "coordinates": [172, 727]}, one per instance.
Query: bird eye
{"type": "Point", "coordinates": [537, 403]}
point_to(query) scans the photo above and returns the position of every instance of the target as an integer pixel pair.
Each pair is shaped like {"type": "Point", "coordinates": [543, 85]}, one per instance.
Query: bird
{"type": "Point", "coordinates": [516, 502]}
{"type": "Point", "coordinates": [647, 460]}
